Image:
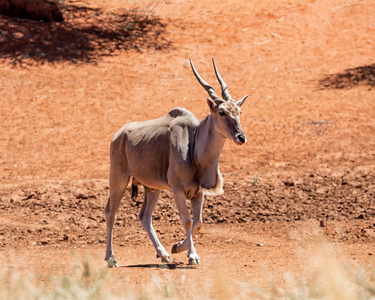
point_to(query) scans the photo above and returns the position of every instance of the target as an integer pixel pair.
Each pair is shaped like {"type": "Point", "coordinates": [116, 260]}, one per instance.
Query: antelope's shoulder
{"type": "Point", "coordinates": [180, 112]}
{"type": "Point", "coordinates": [182, 116]}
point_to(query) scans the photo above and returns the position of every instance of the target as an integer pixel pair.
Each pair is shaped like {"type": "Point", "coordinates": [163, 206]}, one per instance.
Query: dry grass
{"type": "Point", "coordinates": [330, 279]}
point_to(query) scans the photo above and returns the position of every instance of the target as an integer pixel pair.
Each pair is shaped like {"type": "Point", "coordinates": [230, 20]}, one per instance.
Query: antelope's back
{"type": "Point", "coordinates": [146, 145]}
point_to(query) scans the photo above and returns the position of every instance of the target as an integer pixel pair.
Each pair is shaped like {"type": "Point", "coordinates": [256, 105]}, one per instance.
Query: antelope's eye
{"type": "Point", "coordinates": [221, 113]}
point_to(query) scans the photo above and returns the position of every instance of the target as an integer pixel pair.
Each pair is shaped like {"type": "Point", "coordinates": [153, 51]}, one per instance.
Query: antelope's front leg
{"type": "Point", "coordinates": [197, 206]}
{"type": "Point", "coordinates": [180, 200]}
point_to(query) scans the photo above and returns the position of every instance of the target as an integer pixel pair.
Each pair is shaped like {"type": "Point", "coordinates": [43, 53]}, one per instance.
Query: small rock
{"type": "Point", "coordinates": [79, 194]}
{"type": "Point", "coordinates": [18, 35]}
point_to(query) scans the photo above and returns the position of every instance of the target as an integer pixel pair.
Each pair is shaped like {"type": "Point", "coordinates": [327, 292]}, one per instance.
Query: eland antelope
{"type": "Point", "coordinates": [176, 151]}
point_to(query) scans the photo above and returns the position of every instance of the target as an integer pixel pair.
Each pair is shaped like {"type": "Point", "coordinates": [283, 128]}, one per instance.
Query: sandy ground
{"type": "Point", "coordinates": [305, 176]}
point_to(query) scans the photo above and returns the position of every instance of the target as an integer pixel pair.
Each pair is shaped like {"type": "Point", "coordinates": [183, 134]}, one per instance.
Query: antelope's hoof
{"type": "Point", "coordinates": [176, 246]}
{"type": "Point", "coordinates": [112, 265]}
{"type": "Point", "coordinates": [112, 262]}
{"type": "Point", "coordinates": [165, 258]}
{"type": "Point", "coordinates": [194, 261]}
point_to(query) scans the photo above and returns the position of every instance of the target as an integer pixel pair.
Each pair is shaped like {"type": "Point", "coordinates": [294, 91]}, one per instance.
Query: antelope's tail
{"type": "Point", "coordinates": [134, 191]}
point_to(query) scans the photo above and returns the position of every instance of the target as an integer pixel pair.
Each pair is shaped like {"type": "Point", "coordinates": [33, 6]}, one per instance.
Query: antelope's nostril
{"type": "Point", "coordinates": [241, 138]}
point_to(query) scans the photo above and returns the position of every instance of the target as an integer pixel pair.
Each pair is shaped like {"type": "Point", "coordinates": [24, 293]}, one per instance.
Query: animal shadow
{"type": "Point", "coordinates": [364, 75]}
{"type": "Point", "coordinates": [170, 266]}
{"type": "Point", "coordinates": [86, 35]}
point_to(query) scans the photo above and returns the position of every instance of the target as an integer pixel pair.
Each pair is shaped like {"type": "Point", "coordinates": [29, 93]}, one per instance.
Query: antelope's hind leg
{"type": "Point", "coordinates": [150, 199]}
{"type": "Point", "coordinates": [118, 181]}
{"type": "Point", "coordinates": [116, 193]}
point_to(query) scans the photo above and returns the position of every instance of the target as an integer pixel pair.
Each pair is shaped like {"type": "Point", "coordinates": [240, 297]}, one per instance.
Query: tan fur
{"type": "Point", "coordinates": [232, 108]}
{"type": "Point", "coordinates": [176, 151]}
{"type": "Point", "coordinates": [135, 181]}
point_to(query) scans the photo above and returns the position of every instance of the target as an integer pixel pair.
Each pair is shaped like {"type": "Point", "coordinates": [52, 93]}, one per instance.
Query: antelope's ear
{"type": "Point", "coordinates": [211, 104]}
{"type": "Point", "coordinates": [240, 102]}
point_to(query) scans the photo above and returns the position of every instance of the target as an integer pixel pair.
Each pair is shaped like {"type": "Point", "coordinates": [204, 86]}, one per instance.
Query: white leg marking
{"type": "Point", "coordinates": [197, 206]}
{"type": "Point", "coordinates": [180, 200]}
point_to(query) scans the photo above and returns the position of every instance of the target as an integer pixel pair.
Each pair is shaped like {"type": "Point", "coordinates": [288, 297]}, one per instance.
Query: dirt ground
{"type": "Point", "coordinates": [305, 175]}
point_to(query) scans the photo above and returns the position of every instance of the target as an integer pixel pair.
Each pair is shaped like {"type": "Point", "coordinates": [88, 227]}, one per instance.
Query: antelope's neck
{"type": "Point", "coordinates": [208, 145]}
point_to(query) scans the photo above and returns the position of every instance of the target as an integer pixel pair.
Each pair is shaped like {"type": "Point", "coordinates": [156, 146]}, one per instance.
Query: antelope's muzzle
{"type": "Point", "coordinates": [240, 138]}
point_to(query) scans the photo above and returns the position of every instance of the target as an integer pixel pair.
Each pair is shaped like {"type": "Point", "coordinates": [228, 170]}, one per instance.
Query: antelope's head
{"type": "Point", "coordinates": [225, 111]}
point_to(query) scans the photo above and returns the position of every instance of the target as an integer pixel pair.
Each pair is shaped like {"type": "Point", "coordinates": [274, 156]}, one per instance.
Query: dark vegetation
{"type": "Point", "coordinates": [364, 75]}
{"type": "Point", "coordinates": [83, 34]}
